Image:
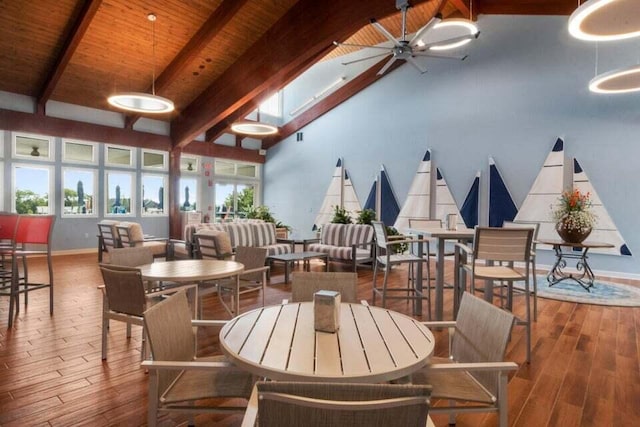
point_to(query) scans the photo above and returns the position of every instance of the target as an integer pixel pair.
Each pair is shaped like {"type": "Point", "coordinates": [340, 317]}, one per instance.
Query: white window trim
{"type": "Point", "coordinates": [50, 169]}
{"type": "Point", "coordinates": [132, 159]}
{"type": "Point", "coordinates": [165, 161]}
{"type": "Point", "coordinates": [133, 206]}
{"type": "Point", "coordinates": [93, 161]}
{"type": "Point", "coordinates": [1, 145]}
{"type": "Point", "coordinates": [235, 176]}
{"type": "Point", "coordinates": [1, 183]}
{"type": "Point", "coordinates": [14, 141]}
{"type": "Point", "coordinates": [165, 182]}
{"type": "Point", "coordinates": [96, 198]}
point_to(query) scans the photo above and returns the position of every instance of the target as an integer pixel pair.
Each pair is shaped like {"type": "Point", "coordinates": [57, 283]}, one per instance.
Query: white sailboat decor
{"type": "Point", "coordinates": [418, 201]}
{"type": "Point", "coordinates": [383, 200]}
{"type": "Point", "coordinates": [471, 205]}
{"type": "Point", "coordinates": [545, 193]}
{"type": "Point", "coordinates": [350, 200]}
{"type": "Point", "coordinates": [501, 205]}
{"type": "Point", "coordinates": [605, 230]}
{"type": "Point", "coordinates": [340, 193]}
{"type": "Point", "coordinates": [445, 203]}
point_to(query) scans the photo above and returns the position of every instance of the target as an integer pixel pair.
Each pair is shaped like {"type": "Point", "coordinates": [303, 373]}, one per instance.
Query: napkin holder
{"type": "Point", "coordinates": [326, 311]}
{"type": "Point", "coordinates": [452, 221]}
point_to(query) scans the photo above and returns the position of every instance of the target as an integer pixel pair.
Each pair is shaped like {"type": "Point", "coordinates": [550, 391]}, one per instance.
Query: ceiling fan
{"type": "Point", "coordinates": [408, 50]}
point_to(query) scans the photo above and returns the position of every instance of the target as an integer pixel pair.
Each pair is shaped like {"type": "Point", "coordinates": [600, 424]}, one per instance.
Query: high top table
{"type": "Point", "coordinates": [442, 235]}
{"type": "Point", "coordinates": [584, 276]}
{"type": "Point", "coordinates": [372, 345]}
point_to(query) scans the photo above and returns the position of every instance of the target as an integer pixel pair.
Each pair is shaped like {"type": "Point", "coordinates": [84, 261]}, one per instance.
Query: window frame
{"type": "Point", "coordinates": [165, 183]}
{"type": "Point", "coordinates": [132, 203]}
{"type": "Point", "coordinates": [96, 198]}
{"type": "Point", "coordinates": [94, 152]}
{"type": "Point", "coordinates": [51, 172]}
{"type": "Point", "coordinates": [14, 146]}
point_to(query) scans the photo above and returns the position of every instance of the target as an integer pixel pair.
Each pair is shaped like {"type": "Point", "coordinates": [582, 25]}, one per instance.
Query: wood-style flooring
{"type": "Point", "coordinates": [585, 368]}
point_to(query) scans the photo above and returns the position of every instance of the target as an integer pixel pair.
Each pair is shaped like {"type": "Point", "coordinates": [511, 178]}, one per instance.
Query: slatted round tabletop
{"type": "Point", "coordinates": [372, 345]}
{"type": "Point", "coordinates": [192, 270]}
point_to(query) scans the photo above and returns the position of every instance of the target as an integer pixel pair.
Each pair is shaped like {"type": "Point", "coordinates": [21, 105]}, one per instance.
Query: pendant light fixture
{"type": "Point", "coordinates": [605, 20]}
{"type": "Point", "coordinates": [143, 102]}
{"type": "Point", "coordinates": [254, 128]}
{"type": "Point", "coordinates": [624, 80]}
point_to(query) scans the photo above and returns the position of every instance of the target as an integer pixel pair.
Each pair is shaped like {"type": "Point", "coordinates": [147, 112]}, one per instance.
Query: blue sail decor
{"type": "Point", "coordinates": [470, 207]}
{"type": "Point", "coordinates": [389, 207]}
{"type": "Point", "coordinates": [501, 205]}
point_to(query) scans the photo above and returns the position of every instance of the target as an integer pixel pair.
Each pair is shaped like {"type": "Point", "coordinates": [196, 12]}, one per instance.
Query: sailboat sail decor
{"type": "Point", "coordinates": [340, 193]}
{"type": "Point", "coordinates": [471, 205]}
{"type": "Point", "coordinates": [445, 203]}
{"type": "Point", "coordinates": [418, 201]}
{"type": "Point", "coordinates": [501, 205]}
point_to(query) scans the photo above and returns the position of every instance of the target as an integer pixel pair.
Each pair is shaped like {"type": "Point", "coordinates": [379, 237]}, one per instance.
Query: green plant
{"type": "Point", "coordinates": [365, 216]}
{"type": "Point", "coordinates": [262, 212]}
{"type": "Point", "coordinates": [341, 216]}
{"type": "Point", "coordinates": [397, 249]}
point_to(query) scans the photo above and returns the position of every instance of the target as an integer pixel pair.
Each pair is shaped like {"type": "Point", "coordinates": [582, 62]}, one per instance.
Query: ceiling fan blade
{"type": "Point", "coordinates": [438, 55]}
{"type": "Point", "coordinates": [447, 41]}
{"type": "Point", "coordinates": [365, 59]}
{"type": "Point", "coordinates": [384, 32]}
{"type": "Point", "coordinates": [413, 62]}
{"type": "Point", "coordinates": [364, 46]}
{"type": "Point", "coordinates": [422, 31]}
{"type": "Point", "coordinates": [387, 65]}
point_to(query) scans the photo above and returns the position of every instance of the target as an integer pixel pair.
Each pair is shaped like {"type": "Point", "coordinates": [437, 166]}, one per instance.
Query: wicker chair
{"type": "Point", "coordinates": [125, 298]}
{"type": "Point", "coordinates": [177, 379]}
{"type": "Point", "coordinates": [534, 280]}
{"type": "Point", "coordinates": [387, 258]}
{"type": "Point", "coordinates": [334, 404]}
{"type": "Point", "coordinates": [254, 277]}
{"type": "Point", "coordinates": [491, 259]}
{"type": "Point", "coordinates": [306, 283]}
{"type": "Point", "coordinates": [475, 371]}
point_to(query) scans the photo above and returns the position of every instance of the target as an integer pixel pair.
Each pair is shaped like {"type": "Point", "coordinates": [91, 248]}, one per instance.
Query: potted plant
{"type": "Point", "coordinates": [262, 212]}
{"type": "Point", "coordinates": [365, 216]}
{"type": "Point", "coordinates": [341, 216]}
{"type": "Point", "coordinates": [573, 216]}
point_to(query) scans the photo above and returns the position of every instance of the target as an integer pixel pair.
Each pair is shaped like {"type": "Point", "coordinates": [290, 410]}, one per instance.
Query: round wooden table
{"type": "Point", "coordinates": [372, 345]}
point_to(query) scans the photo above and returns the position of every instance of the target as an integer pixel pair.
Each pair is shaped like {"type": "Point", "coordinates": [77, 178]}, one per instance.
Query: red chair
{"type": "Point", "coordinates": [8, 224]}
{"type": "Point", "coordinates": [32, 238]}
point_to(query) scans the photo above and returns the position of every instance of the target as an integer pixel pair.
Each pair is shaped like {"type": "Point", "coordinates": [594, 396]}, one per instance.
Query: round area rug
{"type": "Point", "coordinates": [602, 293]}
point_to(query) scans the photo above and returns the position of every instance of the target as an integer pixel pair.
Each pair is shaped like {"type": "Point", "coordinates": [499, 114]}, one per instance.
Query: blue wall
{"type": "Point", "coordinates": [523, 85]}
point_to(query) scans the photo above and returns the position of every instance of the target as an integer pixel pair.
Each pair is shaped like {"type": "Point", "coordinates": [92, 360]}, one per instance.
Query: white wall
{"type": "Point", "coordinates": [523, 85]}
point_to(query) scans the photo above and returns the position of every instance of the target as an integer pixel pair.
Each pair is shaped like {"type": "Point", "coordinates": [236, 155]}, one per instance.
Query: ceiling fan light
{"type": "Point", "coordinates": [463, 24]}
{"type": "Point", "coordinates": [624, 80]}
{"type": "Point", "coordinates": [141, 102]}
{"type": "Point", "coordinates": [605, 20]}
{"type": "Point", "coordinates": [247, 127]}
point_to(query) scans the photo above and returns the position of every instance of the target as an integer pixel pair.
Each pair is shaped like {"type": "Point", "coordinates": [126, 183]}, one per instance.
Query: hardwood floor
{"type": "Point", "coordinates": [584, 371]}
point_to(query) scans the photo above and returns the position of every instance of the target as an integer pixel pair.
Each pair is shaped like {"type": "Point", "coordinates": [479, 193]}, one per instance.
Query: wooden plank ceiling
{"type": "Point", "coordinates": [216, 59]}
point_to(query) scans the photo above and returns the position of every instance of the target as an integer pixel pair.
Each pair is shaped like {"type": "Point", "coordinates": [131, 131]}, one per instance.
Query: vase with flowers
{"type": "Point", "coordinates": [573, 216]}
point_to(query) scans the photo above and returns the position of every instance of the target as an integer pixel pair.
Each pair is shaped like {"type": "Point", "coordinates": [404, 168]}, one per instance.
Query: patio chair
{"type": "Point", "coordinates": [534, 280]}
{"type": "Point", "coordinates": [306, 283]}
{"type": "Point", "coordinates": [131, 234]}
{"type": "Point", "coordinates": [475, 371]}
{"type": "Point", "coordinates": [280, 403]}
{"type": "Point", "coordinates": [177, 378]}
{"type": "Point", "coordinates": [494, 252]}
{"type": "Point", "coordinates": [387, 257]}
{"type": "Point", "coordinates": [214, 244]}
{"type": "Point", "coordinates": [125, 298]}
{"type": "Point", "coordinates": [108, 238]}
{"type": "Point", "coordinates": [254, 277]}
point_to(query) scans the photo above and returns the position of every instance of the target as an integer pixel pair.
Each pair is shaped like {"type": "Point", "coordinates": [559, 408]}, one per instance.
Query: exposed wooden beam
{"type": "Point", "coordinates": [209, 149]}
{"type": "Point", "coordinates": [307, 28]}
{"type": "Point", "coordinates": [175, 224]}
{"type": "Point", "coordinates": [45, 125]}
{"type": "Point", "coordinates": [462, 7]}
{"type": "Point", "coordinates": [524, 7]}
{"type": "Point", "coordinates": [210, 29]}
{"type": "Point", "coordinates": [70, 45]}
{"type": "Point", "coordinates": [336, 98]}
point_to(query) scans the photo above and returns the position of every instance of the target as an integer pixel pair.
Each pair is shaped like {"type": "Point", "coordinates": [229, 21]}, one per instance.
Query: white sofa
{"type": "Point", "coordinates": [352, 243]}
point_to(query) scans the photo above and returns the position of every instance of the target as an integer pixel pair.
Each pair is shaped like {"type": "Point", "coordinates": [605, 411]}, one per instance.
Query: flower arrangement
{"type": "Point", "coordinates": [574, 211]}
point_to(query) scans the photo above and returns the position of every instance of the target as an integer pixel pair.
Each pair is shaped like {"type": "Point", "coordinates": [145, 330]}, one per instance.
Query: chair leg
{"type": "Point", "coordinates": [503, 415]}
{"type": "Point", "coordinates": [152, 404]}
{"type": "Point", "coordinates": [50, 283]}
{"type": "Point", "coordinates": [375, 274]}
{"type": "Point", "coordinates": [387, 267]}
{"type": "Point", "coordinates": [105, 327]}
{"type": "Point", "coordinates": [535, 290]}
{"type": "Point", "coordinates": [528, 317]}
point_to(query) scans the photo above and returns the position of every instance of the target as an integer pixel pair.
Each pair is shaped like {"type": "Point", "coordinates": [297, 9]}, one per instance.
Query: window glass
{"type": "Point", "coordinates": [119, 156]}
{"type": "Point", "coordinates": [246, 170]}
{"type": "Point", "coordinates": [119, 194]}
{"type": "Point", "coordinates": [188, 164]}
{"type": "Point", "coordinates": [79, 192]}
{"type": "Point", "coordinates": [233, 200]}
{"type": "Point", "coordinates": [33, 147]}
{"type": "Point", "coordinates": [31, 189]}
{"type": "Point", "coordinates": [77, 151]}
{"type": "Point", "coordinates": [272, 106]}
{"type": "Point", "coordinates": [188, 194]}
{"type": "Point", "coordinates": [225, 168]}
{"type": "Point", "coordinates": [154, 160]}
{"type": "Point", "coordinates": [153, 194]}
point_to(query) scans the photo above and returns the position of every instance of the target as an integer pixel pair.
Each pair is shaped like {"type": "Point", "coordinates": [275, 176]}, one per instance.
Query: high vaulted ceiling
{"type": "Point", "coordinates": [216, 59]}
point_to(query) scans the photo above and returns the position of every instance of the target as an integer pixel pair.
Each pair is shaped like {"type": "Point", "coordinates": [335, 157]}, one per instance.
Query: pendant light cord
{"type": "Point", "coordinates": [152, 18]}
